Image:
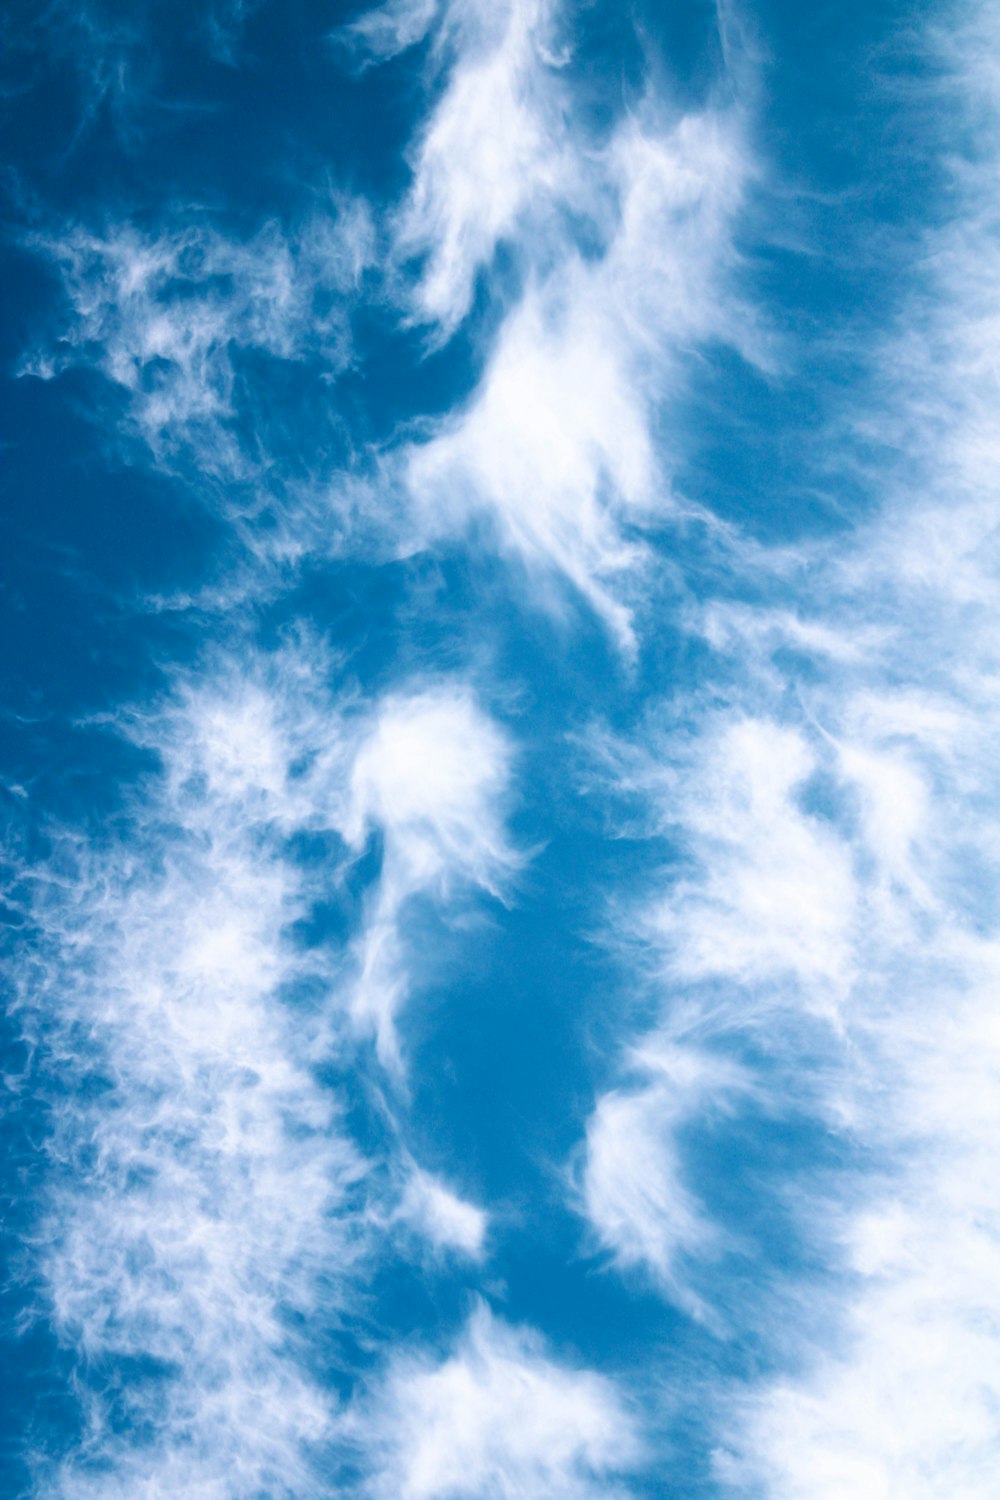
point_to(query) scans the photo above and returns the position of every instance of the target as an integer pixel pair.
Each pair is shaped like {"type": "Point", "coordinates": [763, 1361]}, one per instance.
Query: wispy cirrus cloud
{"type": "Point", "coordinates": [559, 448]}
{"type": "Point", "coordinates": [449, 1223]}
{"type": "Point", "coordinates": [624, 254]}
{"type": "Point", "coordinates": [493, 154]}
{"type": "Point", "coordinates": [787, 1157]}
{"type": "Point", "coordinates": [431, 774]}
{"type": "Point", "coordinates": [900, 1398]}
{"type": "Point", "coordinates": [828, 919]}
{"type": "Point", "coordinates": [498, 1416]}
{"type": "Point", "coordinates": [622, 244]}
{"type": "Point", "coordinates": [169, 317]}
{"type": "Point", "coordinates": [206, 1194]}
{"type": "Point", "coordinates": [635, 1192]}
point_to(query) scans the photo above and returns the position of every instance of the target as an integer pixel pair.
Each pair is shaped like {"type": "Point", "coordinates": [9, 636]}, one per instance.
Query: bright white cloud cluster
{"type": "Point", "coordinates": [556, 448]}
{"type": "Point", "coordinates": [775, 894]}
{"type": "Point", "coordinates": [431, 774]}
{"type": "Point", "coordinates": [499, 1417]}
{"type": "Point", "coordinates": [493, 152]}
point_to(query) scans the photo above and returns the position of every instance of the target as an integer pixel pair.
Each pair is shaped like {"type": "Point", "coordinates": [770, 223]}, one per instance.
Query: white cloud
{"type": "Point", "coordinates": [556, 447]}
{"type": "Point", "coordinates": [772, 893]}
{"type": "Point", "coordinates": [499, 1417]}
{"type": "Point", "coordinates": [761, 631]}
{"type": "Point", "coordinates": [893, 1386]}
{"type": "Point", "coordinates": [431, 773]}
{"type": "Point", "coordinates": [431, 1209]}
{"type": "Point", "coordinates": [901, 1395]}
{"type": "Point", "coordinates": [623, 249]}
{"type": "Point", "coordinates": [204, 1190]}
{"type": "Point", "coordinates": [389, 29]}
{"type": "Point", "coordinates": [206, 1197]}
{"type": "Point", "coordinates": [829, 847]}
{"type": "Point", "coordinates": [827, 802]}
{"type": "Point", "coordinates": [899, 1380]}
{"type": "Point", "coordinates": [164, 316]}
{"type": "Point", "coordinates": [493, 150]}
{"type": "Point", "coordinates": [554, 423]}
{"type": "Point", "coordinates": [636, 1191]}
{"type": "Point", "coordinates": [624, 262]}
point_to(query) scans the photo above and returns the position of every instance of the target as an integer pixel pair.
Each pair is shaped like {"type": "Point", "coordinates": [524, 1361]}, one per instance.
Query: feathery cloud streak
{"type": "Point", "coordinates": [830, 916]}
{"type": "Point", "coordinates": [207, 1196]}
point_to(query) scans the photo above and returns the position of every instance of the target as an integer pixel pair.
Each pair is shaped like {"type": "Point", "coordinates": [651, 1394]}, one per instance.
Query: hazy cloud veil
{"type": "Point", "coordinates": [499, 750]}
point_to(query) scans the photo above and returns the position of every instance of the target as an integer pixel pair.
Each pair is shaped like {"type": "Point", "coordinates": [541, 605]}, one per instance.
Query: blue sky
{"type": "Point", "coordinates": [498, 762]}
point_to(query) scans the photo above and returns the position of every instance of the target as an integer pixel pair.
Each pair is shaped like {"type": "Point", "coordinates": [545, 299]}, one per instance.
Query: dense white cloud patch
{"type": "Point", "coordinates": [498, 1417]}
{"type": "Point", "coordinates": [386, 30]}
{"type": "Point", "coordinates": [556, 448]}
{"type": "Point", "coordinates": [493, 151]}
{"type": "Point", "coordinates": [431, 773]}
{"type": "Point", "coordinates": [773, 893]}
{"type": "Point", "coordinates": [553, 425]}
